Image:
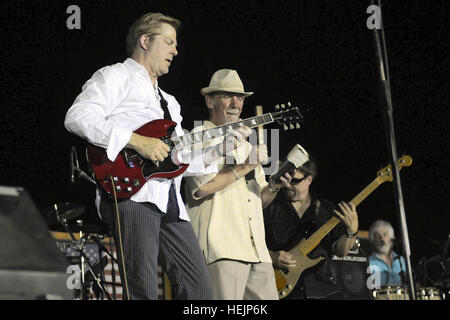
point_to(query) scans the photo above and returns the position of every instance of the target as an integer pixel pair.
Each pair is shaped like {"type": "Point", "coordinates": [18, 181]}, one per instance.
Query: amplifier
{"type": "Point", "coordinates": [351, 273]}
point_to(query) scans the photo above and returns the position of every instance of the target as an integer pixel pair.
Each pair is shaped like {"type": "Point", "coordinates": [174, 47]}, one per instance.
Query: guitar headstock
{"type": "Point", "coordinates": [287, 116]}
{"type": "Point", "coordinates": [386, 174]}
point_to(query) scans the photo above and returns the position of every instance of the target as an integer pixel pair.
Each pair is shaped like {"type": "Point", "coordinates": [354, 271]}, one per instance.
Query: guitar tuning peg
{"type": "Point", "coordinates": [282, 106]}
{"type": "Point", "coordinates": [297, 126]}
{"type": "Point", "coordinates": [277, 107]}
{"type": "Point", "coordinates": [291, 126]}
{"type": "Point", "coordinates": [285, 127]}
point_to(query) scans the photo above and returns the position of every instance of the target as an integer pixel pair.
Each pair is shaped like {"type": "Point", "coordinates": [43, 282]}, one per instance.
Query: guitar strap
{"type": "Point", "coordinates": [317, 207]}
{"type": "Point", "coordinates": [164, 104]}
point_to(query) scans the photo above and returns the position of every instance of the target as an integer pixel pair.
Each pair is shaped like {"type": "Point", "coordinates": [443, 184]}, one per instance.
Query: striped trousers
{"type": "Point", "coordinates": [149, 236]}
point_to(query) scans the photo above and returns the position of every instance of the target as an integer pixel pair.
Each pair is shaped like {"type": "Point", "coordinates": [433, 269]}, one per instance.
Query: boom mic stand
{"type": "Point", "coordinates": [102, 248]}
{"type": "Point", "coordinates": [381, 51]}
{"type": "Point", "coordinates": [75, 167]}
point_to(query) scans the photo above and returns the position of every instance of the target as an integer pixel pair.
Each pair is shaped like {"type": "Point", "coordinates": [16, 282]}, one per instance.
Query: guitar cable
{"type": "Point", "coordinates": [122, 260]}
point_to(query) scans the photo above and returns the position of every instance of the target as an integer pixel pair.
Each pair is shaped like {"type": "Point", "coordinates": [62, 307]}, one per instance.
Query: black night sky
{"type": "Point", "coordinates": [316, 54]}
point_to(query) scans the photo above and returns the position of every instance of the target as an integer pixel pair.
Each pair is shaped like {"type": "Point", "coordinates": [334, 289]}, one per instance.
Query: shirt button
{"type": "Point", "coordinates": [248, 200]}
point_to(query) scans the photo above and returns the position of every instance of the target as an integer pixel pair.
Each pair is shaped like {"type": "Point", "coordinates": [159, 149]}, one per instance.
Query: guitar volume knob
{"type": "Point", "coordinates": [136, 183]}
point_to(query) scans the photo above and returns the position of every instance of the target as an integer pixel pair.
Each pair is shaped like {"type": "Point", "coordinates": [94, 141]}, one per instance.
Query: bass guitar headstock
{"type": "Point", "coordinates": [386, 174]}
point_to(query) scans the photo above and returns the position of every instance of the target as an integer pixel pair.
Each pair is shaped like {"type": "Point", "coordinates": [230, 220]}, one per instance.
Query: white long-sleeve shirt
{"type": "Point", "coordinates": [114, 102]}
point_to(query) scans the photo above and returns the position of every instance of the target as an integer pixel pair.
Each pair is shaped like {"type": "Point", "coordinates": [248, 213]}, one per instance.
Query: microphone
{"type": "Point", "coordinates": [295, 159]}
{"type": "Point", "coordinates": [396, 244]}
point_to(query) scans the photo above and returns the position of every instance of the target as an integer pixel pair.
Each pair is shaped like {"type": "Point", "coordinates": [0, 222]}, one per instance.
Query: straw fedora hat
{"type": "Point", "coordinates": [225, 80]}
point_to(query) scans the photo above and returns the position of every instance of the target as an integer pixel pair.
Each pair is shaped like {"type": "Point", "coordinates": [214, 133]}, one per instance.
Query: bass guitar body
{"type": "Point", "coordinates": [286, 279]}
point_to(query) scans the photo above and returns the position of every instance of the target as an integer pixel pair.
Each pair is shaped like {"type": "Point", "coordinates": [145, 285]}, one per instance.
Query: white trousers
{"type": "Point", "coordinates": [237, 280]}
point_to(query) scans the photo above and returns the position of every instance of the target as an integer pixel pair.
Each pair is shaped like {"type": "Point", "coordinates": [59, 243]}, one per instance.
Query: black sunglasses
{"type": "Point", "coordinates": [296, 181]}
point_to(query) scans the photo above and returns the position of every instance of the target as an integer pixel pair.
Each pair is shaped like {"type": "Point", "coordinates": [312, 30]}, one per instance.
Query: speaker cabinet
{"type": "Point", "coordinates": [31, 265]}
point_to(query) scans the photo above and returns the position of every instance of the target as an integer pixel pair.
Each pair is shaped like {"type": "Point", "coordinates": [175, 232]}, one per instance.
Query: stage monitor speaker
{"type": "Point", "coordinates": [351, 273]}
{"type": "Point", "coordinates": [31, 265]}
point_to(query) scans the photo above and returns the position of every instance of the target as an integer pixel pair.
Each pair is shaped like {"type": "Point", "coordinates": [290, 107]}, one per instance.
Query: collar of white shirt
{"type": "Point", "coordinates": [139, 68]}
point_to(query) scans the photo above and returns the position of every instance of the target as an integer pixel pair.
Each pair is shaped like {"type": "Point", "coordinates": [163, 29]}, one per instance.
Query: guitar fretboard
{"type": "Point", "coordinates": [313, 241]}
{"type": "Point", "coordinates": [209, 134]}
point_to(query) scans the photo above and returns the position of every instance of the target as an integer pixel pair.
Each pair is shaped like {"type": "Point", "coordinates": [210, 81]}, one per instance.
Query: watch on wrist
{"type": "Point", "coordinates": [351, 235]}
{"type": "Point", "coordinates": [273, 190]}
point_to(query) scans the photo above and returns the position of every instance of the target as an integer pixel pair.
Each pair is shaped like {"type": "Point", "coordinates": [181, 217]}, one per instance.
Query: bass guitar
{"type": "Point", "coordinates": [286, 279]}
{"type": "Point", "coordinates": [125, 176]}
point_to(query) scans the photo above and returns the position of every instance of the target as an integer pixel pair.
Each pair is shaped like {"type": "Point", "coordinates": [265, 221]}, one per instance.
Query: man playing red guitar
{"type": "Point", "coordinates": [117, 100]}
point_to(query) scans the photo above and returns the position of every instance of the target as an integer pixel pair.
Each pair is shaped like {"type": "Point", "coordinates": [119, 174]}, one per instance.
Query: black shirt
{"type": "Point", "coordinates": [284, 229]}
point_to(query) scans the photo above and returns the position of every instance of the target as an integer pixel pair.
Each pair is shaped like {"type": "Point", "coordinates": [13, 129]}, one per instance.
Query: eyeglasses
{"type": "Point", "coordinates": [296, 181]}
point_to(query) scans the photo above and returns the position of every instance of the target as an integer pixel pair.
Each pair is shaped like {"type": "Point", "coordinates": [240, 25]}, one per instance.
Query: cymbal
{"type": "Point", "coordinates": [71, 212]}
{"type": "Point", "coordinates": [434, 271]}
{"type": "Point", "coordinates": [68, 211]}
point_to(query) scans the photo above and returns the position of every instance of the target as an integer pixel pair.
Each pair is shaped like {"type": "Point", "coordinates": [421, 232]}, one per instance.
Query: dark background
{"type": "Point", "coordinates": [316, 54]}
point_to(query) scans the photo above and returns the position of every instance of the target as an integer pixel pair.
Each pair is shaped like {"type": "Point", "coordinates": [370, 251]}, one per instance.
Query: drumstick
{"type": "Point", "coordinates": [260, 132]}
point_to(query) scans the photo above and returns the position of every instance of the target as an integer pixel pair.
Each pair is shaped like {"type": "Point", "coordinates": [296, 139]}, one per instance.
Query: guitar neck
{"type": "Point", "coordinates": [312, 242]}
{"type": "Point", "coordinates": [190, 139]}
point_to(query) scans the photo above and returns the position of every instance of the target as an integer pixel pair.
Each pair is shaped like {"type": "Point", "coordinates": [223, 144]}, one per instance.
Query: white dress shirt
{"type": "Point", "coordinates": [117, 100]}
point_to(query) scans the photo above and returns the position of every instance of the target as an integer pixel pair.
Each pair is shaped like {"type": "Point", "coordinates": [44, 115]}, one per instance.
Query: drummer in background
{"type": "Point", "coordinates": [384, 260]}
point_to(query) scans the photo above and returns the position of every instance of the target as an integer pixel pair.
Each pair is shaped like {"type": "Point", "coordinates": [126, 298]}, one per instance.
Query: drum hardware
{"type": "Point", "coordinates": [97, 269]}
{"type": "Point", "coordinates": [390, 293]}
{"type": "Point", "coordinates": [94, 275]}
{"type": "Point", "coordinates": [429, 293]}
{"type": "Point", "coordinates": [79, 246]}
{"type": "Point", "coordinates": [98, 238]}
{"type": "Point", "coordinates": [433, 273]}
{"type": "Point", "coordinates": [399, 293]}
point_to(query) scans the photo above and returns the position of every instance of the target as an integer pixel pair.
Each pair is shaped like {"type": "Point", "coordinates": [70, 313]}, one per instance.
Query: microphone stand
{"type": "Point", "coordinates": [381, 51]}
{"type": "Point", "coordinates": [83, 258]}
{"type": "Point", "coordinates": [75, 167]}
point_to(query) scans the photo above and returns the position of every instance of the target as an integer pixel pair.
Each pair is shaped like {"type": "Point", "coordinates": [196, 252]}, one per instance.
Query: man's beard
{"type": "Point", "coordinates": [384, 249]}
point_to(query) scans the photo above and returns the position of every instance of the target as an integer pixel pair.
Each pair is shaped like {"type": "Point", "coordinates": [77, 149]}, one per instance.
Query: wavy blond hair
{"type": "Point", "coordinates": [147, 24]}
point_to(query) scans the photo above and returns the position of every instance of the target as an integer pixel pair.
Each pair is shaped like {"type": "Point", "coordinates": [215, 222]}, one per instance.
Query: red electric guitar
{"type": "Point", "coordinates": [129, 171]}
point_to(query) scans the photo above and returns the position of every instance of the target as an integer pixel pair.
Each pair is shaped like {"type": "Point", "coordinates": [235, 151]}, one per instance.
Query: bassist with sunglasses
{"type": "Point", "coordinates": [296, 213]}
